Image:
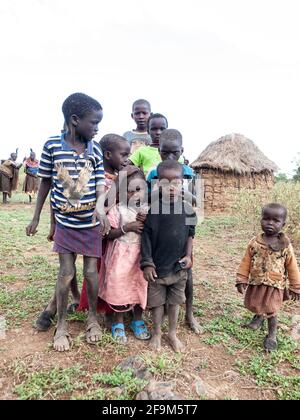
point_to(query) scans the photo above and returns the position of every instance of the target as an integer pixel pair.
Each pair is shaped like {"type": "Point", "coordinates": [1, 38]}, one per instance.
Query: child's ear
{"type": "Point", "coordinates": [74, 120]}
{"type": "Point", "coordinates": [132, 116]}
{"type": "Point", "coordinates": [182, 150]}
{"type": "Point", "coordinates": [107, 154]}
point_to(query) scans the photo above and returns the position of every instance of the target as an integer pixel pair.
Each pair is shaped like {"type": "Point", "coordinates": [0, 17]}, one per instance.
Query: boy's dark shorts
{"type": "Point", "coordinates": [169, 289]}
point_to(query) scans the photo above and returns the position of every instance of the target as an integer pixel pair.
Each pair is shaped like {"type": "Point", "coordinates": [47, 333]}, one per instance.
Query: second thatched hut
{"type": "Point", "coordinates": [229, 164]}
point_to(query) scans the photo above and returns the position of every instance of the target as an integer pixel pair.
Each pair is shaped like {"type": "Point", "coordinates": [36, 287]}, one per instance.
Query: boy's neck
{"type": "Point", "coordinates": [136, 130]}
{"type": "Point", "coordinates": [108, 168]}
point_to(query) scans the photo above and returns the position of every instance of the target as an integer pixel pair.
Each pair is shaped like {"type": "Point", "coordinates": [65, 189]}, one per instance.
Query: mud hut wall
{"type": "Point", "coordinates": [220, 187]}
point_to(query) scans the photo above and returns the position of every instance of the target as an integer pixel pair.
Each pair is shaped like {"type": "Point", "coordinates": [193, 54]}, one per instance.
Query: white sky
{"type": "Point", "coordinates": [211, 66]}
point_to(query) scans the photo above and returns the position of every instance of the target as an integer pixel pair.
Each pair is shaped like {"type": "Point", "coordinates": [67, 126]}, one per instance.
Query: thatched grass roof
{"type": "Point", "coordinates": [234, 153]}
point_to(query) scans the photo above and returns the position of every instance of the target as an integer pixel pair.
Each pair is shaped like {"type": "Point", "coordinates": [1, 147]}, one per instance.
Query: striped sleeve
{"type": "Point", "coordinates": [46, 163]}
{"type": "Point", "coordinates": [99, 168]}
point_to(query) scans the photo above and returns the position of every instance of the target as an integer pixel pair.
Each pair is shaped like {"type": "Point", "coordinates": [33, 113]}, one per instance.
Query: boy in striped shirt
{"type": "Point", "coordinates": [71, 166]}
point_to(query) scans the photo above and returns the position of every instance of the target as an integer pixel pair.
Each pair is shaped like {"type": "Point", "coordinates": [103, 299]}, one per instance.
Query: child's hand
{"type": "Point", "coordinates": [102, 218]}
{"type": "Point", "coordinates": [150, 274]}
{"type": "Point", "coordinates": [186, 263]}
{"type": "Point", "coordinates": [241, 287]}
{"type": "Point", "coordinates": [141, 217]}
{"type": "Point", "coordinates": [136, 227]}
{"type": "Point", "coordinates": [294, 296]}
{"type": "Point", "coordinates": [31, 229]}
{"type": "Point", "coordinates": [50, 237]}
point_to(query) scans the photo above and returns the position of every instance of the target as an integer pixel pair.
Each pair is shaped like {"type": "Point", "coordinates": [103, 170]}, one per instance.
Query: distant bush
{"type": "Point", "coordinates": [248, 204]}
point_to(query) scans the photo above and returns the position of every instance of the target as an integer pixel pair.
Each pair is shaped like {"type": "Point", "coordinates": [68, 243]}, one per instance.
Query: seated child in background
{"type": "Point", "coordinates": [147, 157]}
{"type": "Point", "coordinates": [141, 111]}
{"type": "Point", "coordinates": [167, 242]}
{"type": "Point", "coordinates": [171, 149]}
{"type": "Point", "coordinates": [122, 284]}
{"type": "Point", "coordinates": [268, 265]}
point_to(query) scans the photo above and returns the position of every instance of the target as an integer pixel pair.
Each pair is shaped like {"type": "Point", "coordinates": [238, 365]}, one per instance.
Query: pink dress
{"type": "Point", "coordinates": [121, 279]}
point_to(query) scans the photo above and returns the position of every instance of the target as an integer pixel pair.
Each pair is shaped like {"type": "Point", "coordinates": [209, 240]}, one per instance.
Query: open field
{"type": "Point", "coordinates": [228, 359]}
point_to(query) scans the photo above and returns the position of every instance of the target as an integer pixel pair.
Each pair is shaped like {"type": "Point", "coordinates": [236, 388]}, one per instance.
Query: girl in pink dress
{"type": "Point", "coordinates": [122, 284]}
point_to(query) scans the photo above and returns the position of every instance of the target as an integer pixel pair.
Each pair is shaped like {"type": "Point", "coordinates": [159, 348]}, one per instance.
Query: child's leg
{"type": "Point", "coordinates": [191, 321]}
{"type": "Point", "coordinates": [157, 317]}
{"type": "Point", "coordinates": [173, 317]}
{"type": "Point", "coordinates": [46, 317]}
{"type": "Point", "coordinates": [256, 322]}
{"type": "Point", "coordinates": [270, 342]}
{"type": "Point", "coordinates": [66, 273]}
{"type": "Point", "coordinates": [4, 198]}
{"type": "Point", "coordinates": [93, 330]}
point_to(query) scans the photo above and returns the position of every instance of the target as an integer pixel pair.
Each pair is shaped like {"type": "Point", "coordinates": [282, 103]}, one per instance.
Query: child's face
{"type": "Point", "coordinates": [87, 127]}
{"type": "Point", "coordinates": [136, 192]}
{"type": "Point", "coordinates": [118, 158]}
{"type": "Point", "coordinates": [156, 127]}
{"type": "Point", "coordinates": [170, 182]}
{"type": "Point", "coordinates": [272, 221]}
{"type": "Point", "coordinates": [140, 115]}
{"type": "Point", "coordinates": [170, 150]}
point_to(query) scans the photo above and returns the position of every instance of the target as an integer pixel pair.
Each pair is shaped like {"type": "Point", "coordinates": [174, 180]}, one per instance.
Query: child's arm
{"type": "Point", "coordinates": [100, 213]}
{"type": "Point", "coordinates": [147, 263]}
{"type": "Point", "coordinates": [50, 237]}
{"type": "Point", "coordinates": [293, 274]}
{"type": "Point", "coordinates": [41, 198]}
{"type": "Point", "coordinates": [136, 227]}
{"type": "Point", "coordinates": [186, 261]}
{"type": "Point", "coordinates": [243, 272]}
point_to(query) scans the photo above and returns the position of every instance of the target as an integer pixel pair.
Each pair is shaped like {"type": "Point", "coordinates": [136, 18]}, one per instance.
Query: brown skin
{"type": "Point", "coordinates": [79, 131]}
{"type": "Point", "coordinates": [172, 190]}
{"type": "Point", "coordinates": [156, 127]}
{"type": "Point", "coordinates": [135, 194]}
{"type": "Point", "coordinates": [113, 161]}
{"type": "Point", "coordinates": [140, 115]}
{"type": "Point", "coordinates": [272, 223]}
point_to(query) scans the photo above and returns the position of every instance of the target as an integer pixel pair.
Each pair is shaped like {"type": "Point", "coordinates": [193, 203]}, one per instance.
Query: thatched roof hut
{"type": "Point", "coordinates": [232, 162]}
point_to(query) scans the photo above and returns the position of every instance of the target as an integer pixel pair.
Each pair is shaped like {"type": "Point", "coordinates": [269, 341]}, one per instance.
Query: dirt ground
{"type": "Point", "coordinates": [228, 359]}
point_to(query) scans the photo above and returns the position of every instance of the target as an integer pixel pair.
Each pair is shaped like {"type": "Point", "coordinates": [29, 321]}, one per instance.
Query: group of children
{"type": "Point", "coordinates": [9, 176]}
{"type": "Point", "coordinates": [122, 205]}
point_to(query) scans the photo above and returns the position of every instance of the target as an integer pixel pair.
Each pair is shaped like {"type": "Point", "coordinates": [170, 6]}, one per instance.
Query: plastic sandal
{"type": "Point", "coordinates": [118, 332]}
{"type": "Point", "coordinates": [140, 330]}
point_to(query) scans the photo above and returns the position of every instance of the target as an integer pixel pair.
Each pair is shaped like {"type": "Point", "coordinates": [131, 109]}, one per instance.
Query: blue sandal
{"type": "Point", "coordinates": [118, 333]}
{"type": "Point", "coordinates": [140, 330]}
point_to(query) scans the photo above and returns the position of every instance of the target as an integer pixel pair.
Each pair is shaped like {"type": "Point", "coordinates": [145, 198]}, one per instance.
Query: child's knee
{"type": "Point", "coordinates": [90, 273]}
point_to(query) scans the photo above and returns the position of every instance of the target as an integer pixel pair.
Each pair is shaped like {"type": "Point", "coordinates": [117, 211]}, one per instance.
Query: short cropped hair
{"type": "Point", "coordinates": [111, 142]}
{"type": "Point", "coordinates": [169, 165]}
{"type": "Point", "coordinates": [141, 102]}
{"type": "Point", "coordinates": [170, 134]}
{"type": "Point", "coordinates": [275, 206]}
{"type": "Point", "coordinates": [79, 104]}
{"type": "Point", "coordinates": [157, 115]}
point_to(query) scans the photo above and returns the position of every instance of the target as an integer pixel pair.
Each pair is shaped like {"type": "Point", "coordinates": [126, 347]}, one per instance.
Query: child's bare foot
{"type": "Point", "coordinates": [62, 341]}
{"type": "Point", "coordinates": [194, 325]}
{"type": "Point", "coordinates": [270, 344]}
{"type": "Point", "coordinates": [93, 332]}
{"type": "Point", "coordinates": [256, 323]}
{"type": "Point", "coordinates": [155, 342]}
{"type": "Point", "coordinates": [175, 343]}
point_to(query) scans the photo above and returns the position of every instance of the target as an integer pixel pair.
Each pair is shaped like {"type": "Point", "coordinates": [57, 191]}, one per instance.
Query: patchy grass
{"type": "Point", "coordinates": [28, 271]}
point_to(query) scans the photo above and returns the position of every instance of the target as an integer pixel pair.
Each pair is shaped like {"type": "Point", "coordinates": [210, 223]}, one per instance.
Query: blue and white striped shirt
{"type": "Point", "coordinates": [68, 213]}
